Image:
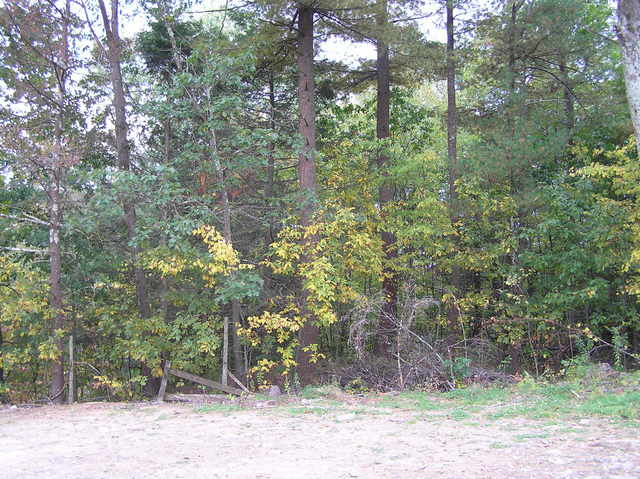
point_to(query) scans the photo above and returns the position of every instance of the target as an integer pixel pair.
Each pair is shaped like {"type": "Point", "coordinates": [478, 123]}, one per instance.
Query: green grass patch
{"type": "Point", "coordinates": [524, 437]}
{"type": "Point", "coordinates": [624, 405]}
{"type": "Point", "coordinates": [418, 400]}
{"type": "Point", "coordinates": [498, 445]}
{"type": "Point", "coordinates": [531, 399]}
{"type": "Point", "coordinates": [301, 410]}
{"type": "Point", "coordinates": [218, 408]}
{"type": "Point", "coordinates": [319, 392]}
{"type": "Point", "coordinates": [459, 414]}
{"type": "Point", "coordinates": [476, 395]}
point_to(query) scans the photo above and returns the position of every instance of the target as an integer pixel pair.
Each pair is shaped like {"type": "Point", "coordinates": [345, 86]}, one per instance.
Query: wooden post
{"type": "Point", "coordinates": [72, 386]}
{"type": "Point", "coordinates": [225, 352]}
{"type": "Point", "coordinates": [163, 382]}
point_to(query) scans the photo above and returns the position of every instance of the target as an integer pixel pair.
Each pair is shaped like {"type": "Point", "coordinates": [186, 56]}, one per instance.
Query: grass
{"type": "Point", "coordinates": [524, 437]}
{"type": "Point", "coordinates": [478, 396]}
{"type": "Point", "coordinates": [579, 397]}
{"type": "Point", "coordinates": [218, 408]}
{"type": "Point", "coordinates": [583, 394]}
{"type": "Point", "coordinates": [327, 391]}
{"type": "Point", "coordinates": [624, 405]}
{"type": "Point", "coordinates": [297, 410]}
{"type": "Point", "coordinates": [498, 445]}
{"type": "Point", "coordinates": [411, 400]}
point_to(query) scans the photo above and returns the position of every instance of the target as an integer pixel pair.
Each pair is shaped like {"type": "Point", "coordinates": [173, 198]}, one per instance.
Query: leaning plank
{"type": "Point", "coordinates": [205, 382]}
{"type": "Point", "coordinates": [237, 381]}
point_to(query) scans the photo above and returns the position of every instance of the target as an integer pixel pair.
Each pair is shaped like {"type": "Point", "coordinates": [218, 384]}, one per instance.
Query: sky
{"type": "Point", "coordinates": [333, 48]}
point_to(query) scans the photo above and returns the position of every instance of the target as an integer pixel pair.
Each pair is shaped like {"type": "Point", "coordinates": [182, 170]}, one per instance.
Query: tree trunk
{"type": "Point", "coordinates": [56, 388]}
{"type": "Point", "coordinates": [238, 361]}
{"type": "Point", "coordinates": [114, 52]}
{"type": "Point", "coordinates": [569, 108]}
{"type": "Point", "coordinates": [271, 166]}
{"type": "Point", "coordinates": [309, 333]}
{"type": "Point", "coordinates": [387, 327]}
{"type": "Point", "coordinates": [1, 367]}
{"type": "Point", "coordinates": [629, 34]}
{"type": "Point", "coordinates": [453, 311]}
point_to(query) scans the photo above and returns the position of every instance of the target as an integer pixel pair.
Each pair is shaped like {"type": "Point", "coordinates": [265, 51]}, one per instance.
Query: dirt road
{"type": "Point", "coordinates": [176, 441]}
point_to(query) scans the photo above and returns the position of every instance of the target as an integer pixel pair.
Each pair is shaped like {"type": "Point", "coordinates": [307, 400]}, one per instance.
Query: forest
{"type": "Point", "coordinates": [385, 194]}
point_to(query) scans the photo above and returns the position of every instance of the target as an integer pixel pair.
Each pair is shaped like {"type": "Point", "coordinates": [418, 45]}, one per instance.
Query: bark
{"type": "Point", "coordinates": [271, 166]}
{"type": "Point", "coordinates": [1, 368]}
{"type": "Point", "coordinates": [114, 53]}
{"type": "Point", "coordinates": [629, 34]}
{"type": "Point", "coordinates": [309, 333]}
{"type": "Point", "coordinates": [453, 311]}
{"type": "Point", "coordinates": [56, 388]}
{"type": "Point", "coordinates": [238, 360]}
{"type": "Point", "coordinates": [55, 283]}
{"type": "Point", "coordinates": [387, 328]}
{"type": "Point", "coordinates": [569, 108]}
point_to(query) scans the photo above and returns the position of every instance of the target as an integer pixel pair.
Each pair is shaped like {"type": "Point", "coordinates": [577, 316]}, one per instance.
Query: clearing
{"type": "Point", "coordinates": [481, 434]}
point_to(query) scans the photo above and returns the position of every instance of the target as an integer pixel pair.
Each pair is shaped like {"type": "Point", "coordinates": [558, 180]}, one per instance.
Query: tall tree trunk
{"type": "Point", "coordinates": [55, 283]}
{"type": "Point", "coordinates": [569, 108]}
{"type": "Point", "coordinates": [309, 333]}
{"type": "Point", "coordinates": [271, 164]}
{"type": "Point", "coordinates": [1, 362]}
{"type": "Point", "coordinates": [387, 327]}
{"type": "Point", "coordinates": [511, 70]}
{"type": "Point", "coordinates": [238, 360]}
{"type": "Point", "coordinates": [629, 34]}
{"type": "Point", "coordinates": [56, 388]}
{"type": "Point", "coordinates": [114, 52]}
{"type": "Point", "coordinates": [453, 311]}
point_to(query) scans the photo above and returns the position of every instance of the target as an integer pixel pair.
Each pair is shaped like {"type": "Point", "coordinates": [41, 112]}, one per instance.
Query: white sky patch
{"type": "Point", "coordinates": [333, 48]}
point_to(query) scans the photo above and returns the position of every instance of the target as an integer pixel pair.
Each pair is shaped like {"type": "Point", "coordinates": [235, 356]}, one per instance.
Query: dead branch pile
{"type": "Point", "coordinates": [418, 361]}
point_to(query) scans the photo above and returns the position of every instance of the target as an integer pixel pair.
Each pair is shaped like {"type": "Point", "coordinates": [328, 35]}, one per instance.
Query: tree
{"type": "Point", "coordinates": [629, 34]}
{"type": "Point", "coordinates": [309, 334]}
{"type": "Point", "coordinates": [389, 312]}
{"type": "Point", "coordinates": [453, 310]}
{"type": "Point", "coordinates": [113, 52]}
{"type": "Point", "coordinates": [42, 70]}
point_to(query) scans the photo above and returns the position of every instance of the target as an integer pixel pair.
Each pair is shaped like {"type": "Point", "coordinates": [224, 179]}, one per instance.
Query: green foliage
{"type": "Point", "coordinates": [26, 343]}
{"type": "Point", "coordinates": [544, 232]}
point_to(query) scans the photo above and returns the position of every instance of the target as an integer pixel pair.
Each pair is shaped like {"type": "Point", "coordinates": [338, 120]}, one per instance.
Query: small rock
{"type": "Point", "coordinates": [263, 404]}
{"type": "Point", "coordinates": [274, 392]}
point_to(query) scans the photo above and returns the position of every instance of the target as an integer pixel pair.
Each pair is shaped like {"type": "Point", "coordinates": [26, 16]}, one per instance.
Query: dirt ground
{"type": "Point", "coordinates": [140, 440]}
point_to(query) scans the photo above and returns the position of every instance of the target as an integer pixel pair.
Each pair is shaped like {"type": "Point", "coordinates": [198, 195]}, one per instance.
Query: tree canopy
{"type": "Point", "coordinates": [465, 193]}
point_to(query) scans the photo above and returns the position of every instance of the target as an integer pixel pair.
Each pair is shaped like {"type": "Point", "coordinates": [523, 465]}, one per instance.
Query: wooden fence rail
{"type": "Point", "coordinates": [191, 377]}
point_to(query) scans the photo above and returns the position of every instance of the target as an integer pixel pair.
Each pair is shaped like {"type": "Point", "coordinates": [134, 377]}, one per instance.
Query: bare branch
{"type": "Point", "coordinates": [26, 219]}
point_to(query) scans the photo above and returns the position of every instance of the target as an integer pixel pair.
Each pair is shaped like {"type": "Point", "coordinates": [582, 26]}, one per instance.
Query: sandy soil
{"type": "Point", "coordinates": [178, 441]}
